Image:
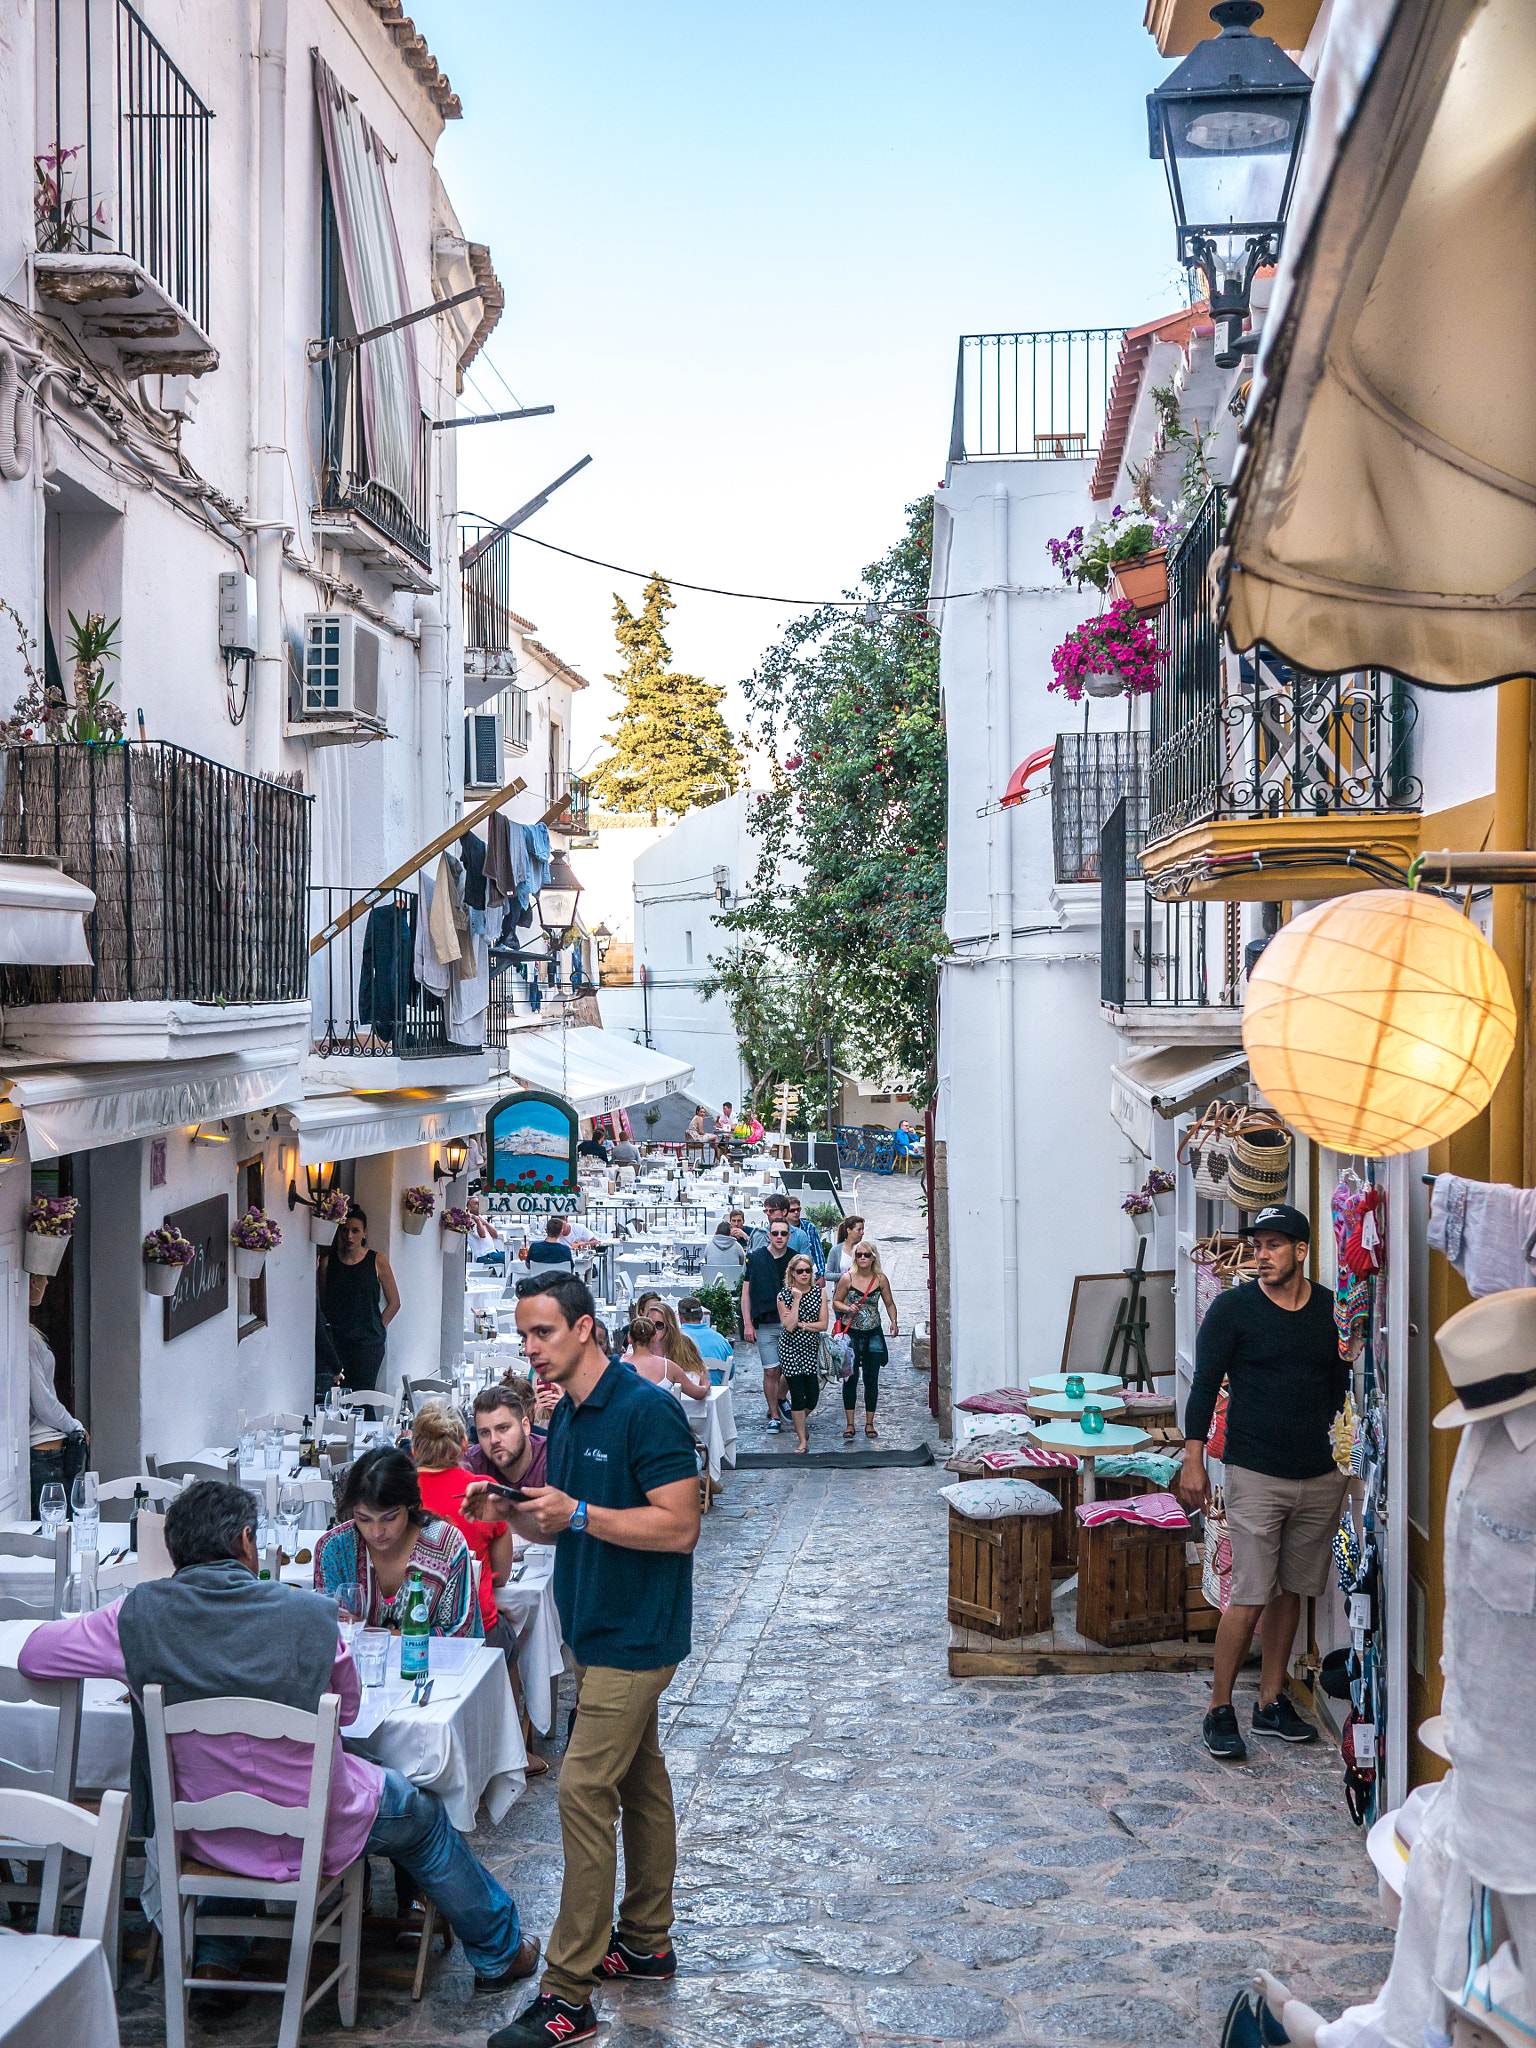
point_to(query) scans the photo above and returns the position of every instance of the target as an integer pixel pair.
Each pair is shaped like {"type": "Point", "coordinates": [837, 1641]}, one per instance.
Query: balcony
{"type": "Point", "coordinates": [382, 524]}
{"type": "Point", "coordinates": [1090, 773]}
{"type": "Point", "coordinates": [1039, 397]}
{"type": "Point", "coordinates": [375, 1026]}
{"type": "Point", "coordinates": [198, 938]}
{"type": "Point", "coordinates": [1267, 782]}
{"type": "Point", "coordinates": [577, 815]}
{"type": "Point", "coordinates": [121, 189]}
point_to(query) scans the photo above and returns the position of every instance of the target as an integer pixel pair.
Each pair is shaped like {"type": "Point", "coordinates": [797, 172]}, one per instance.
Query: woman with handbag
{"type": "Point", "coordinates": [804, 1313]}
{"type": "Point", "coordinates": [857, 1302]}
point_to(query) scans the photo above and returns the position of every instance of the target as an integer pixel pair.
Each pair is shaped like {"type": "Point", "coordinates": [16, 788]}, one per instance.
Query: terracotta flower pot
{"type": "Point", "coordinates": [41, 1253]}
{"type": "Point", "coordinates": [1142, 580]}
{"type": "Point", "coordinates": [248, 1263]}
{"type": "Point", "coordinates": [160, 1278]}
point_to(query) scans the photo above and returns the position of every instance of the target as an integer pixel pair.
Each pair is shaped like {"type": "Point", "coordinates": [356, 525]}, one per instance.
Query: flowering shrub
{"type": "Point", "coordinates": [52, 1215]}
{"type": "Point", "coordinates": [167, 1247]}
{"type": "Point", "coordinates": [256, 1232]}
{"type": "Point", "coordinates": [1087, 557]}
{"type": "Point", "coordinates": [1117, 642]}
{"type": "Point", "coordinates": [459, 1221]}
{"type": "Point", "coordinates": [419, 1201]}
{"type": "Point", "coordinates": [332, 1206]}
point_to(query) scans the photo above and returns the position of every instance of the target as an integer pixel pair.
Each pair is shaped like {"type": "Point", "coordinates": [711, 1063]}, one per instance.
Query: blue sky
{"type": "Point", "coordinates": [738, 249]}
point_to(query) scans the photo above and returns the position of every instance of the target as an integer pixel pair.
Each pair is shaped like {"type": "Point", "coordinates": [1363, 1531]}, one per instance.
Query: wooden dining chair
{"type": "Point", "coordinates": [368, 1397]}
{"type": "Point", "coordinates": [41, 1821]}
{"type": "Point", "coordinates": [187, 1470]}
{"type": "Point", "coordinates": [49, 1604]}
{"type": "Point", "coordinates": [326, 1910]}
{"type": "Point", "coordinates": [43, 1886]}
{"type": "Point", "coordinates": [115, 1492]}
{"type": "Point", "coordinates": [278, 1420]}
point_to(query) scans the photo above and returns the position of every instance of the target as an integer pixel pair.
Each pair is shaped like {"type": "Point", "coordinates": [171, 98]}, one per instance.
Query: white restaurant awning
{"type": "Point", "coordinates": [77, 1109]}
{"type": "Point", "coordinates": [1384, 509]}
{"type": "Point", "coordinates": [595, 1070]}
{"type": "Point", "coordinates": [348, 1125]}
{"type": "Point", "coordinates": [1162, 1083]}
{"type": "Point", "coordinates": [42, 916]}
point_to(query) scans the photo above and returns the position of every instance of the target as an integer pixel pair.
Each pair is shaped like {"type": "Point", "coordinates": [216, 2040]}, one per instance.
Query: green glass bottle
{"type": "Point", "coordinates": [414, 1630]}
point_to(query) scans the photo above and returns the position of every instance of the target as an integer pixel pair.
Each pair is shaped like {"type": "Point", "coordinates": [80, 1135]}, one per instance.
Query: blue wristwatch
{"type": "Point", "coordinates": [579, 1519]}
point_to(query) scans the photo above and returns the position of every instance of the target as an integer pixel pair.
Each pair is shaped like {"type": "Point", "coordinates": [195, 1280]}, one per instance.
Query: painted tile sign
{"type": "Point", "coordinates": [203, 1291]}
{"type": "Point", "coordinates": [530, 1145]}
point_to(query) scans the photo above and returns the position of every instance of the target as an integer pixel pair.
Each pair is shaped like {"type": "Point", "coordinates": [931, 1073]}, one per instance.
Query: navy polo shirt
{"type": "Point", "coordinates": [630, 1609]}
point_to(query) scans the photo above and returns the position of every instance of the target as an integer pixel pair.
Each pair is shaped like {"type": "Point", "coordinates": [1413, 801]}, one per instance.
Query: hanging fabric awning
{"type": "Point", "coordinates": [1384, 510]}
{"type": "Point", "coordinates": [1161, 1083]}
{"type": "Point", "coordinates": [348, 1125]}
{"type": "Point", "coordinates": [77, 1109]}
{"type": "Point", "coordinates": [42, 916]}
{"type": "Point", "coordinates": [595, 1070]}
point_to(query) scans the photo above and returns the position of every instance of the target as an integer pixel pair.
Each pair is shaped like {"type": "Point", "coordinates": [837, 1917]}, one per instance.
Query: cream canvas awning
{"type": "Point", "coordinates": [1384, 509]}
{"type": "Point", "coordinates": [77, 1109]}
{"type": "Point", "coordinates": [595, 1070]}
{"type": "Point", "coordinates": [1161, 1083]}
{"type": "Point", "coordinates": [348, 1125]}
{"type": "Point", "coordinates": [42, 916]}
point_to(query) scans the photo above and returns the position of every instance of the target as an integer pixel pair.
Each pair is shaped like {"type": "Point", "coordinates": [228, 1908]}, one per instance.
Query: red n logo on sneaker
{"type": "Point", "coordinates": [559, 2026]}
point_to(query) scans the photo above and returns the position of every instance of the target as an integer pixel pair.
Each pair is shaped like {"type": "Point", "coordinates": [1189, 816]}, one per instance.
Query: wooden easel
{"type": "Point", "coordinates": [1130, 1331]}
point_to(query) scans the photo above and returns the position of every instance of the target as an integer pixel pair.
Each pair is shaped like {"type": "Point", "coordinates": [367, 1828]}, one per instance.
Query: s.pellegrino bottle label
{"type": "Point", "coordinates": [414, 1630]}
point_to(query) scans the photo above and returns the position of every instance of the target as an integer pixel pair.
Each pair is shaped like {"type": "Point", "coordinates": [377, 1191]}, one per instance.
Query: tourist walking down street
{"type": "Point", "coordinates": [1273, 1340]}
{"type": "Point", "coordinates": [846, 1241]}
{"type": "Point", "coordinates": [804, 1314]}
{"type": "Point", "coordinates": [857, 1307]}
{"type": "Point", "coordinates": [622, 1509]}
{"type": "Point", "coordinates": [760, 1308]}
{"type": "Point", "coordinates": [804, 1236]}
{"type": "Point", "coordinates": [359, 1300]}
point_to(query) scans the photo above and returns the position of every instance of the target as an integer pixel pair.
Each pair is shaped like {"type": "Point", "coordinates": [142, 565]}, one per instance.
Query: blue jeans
{"type": "Point", "coordinates": [413, 1830]}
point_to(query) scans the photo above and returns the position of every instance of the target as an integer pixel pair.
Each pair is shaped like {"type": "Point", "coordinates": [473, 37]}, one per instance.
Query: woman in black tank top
{"type": "Point", "coordinates": [359, 1299]}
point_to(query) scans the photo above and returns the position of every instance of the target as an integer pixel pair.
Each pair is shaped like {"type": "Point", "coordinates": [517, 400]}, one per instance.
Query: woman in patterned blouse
{"type": "Point", "coordinates": [383, 1536]}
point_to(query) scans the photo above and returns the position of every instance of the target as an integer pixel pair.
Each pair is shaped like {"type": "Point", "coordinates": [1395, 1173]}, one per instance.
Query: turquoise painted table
{"type": "Point", "coordinates": [1093, 1382]}
{"type": "Point", "coordinates": [1113, 1441]}
{"type": "Point", "coordinates": [1067, 1407]}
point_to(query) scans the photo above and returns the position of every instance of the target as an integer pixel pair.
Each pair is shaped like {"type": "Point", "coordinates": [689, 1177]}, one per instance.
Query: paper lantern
{"type": "Point", "coordinates": [1379, 1022]}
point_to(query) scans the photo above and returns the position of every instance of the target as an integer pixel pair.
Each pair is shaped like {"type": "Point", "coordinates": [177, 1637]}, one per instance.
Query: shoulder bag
{"type": "Point", "coordinates": [1259, 1160]}
{"type": "Point", "coordinates": [1207, 1148]}
{"type": "Point", "coordinates": [1216, 1568]}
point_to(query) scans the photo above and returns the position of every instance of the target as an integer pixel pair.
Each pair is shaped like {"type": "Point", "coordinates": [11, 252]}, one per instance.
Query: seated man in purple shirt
{"type": "Point", "coordinates": [506, 1449]}
{"type": "Point", "coordinates": [215, 1629]}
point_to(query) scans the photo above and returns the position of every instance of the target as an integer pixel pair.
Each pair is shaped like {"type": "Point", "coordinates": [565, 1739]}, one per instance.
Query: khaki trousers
{"type": "Point", "coordinates": [613, 1775]}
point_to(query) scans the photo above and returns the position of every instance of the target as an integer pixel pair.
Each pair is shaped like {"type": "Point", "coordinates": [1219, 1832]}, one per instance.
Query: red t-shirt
{"type": "Point", "coordinates": [443, 1493]}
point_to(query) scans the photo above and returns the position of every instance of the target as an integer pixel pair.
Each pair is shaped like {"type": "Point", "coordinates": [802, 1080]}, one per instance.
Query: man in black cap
{"type": "Point", "coordinates": [1274, 1342]}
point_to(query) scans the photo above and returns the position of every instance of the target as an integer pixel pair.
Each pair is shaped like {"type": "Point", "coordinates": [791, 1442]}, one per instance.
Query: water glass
{"type": "Point", "coordinates": [350, 1615]}
{"type": "Point", "coordinates": [87, 1514]}
{"type": "Point", "coordinates": [249, 1443]}
{"type": "Point", "coordinates": [52, 1506]}
{"type": "Point", "coordinates": [371, 1656]}
{"type": "Point", "coordinates": [290, 1512]}
{"type": "Point", "coordinates": [272, 1450]}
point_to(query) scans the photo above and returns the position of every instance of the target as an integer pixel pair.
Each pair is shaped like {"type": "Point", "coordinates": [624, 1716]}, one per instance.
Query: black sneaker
{"type": "Point", "coordinates": [1221, 1735]}
{"type": "Point", "coordinates": [1283, 1720]}
{"type": "Point", "coordinates": [638, 1962]}
{"type": "Point", "coordinates": [547, 2023]}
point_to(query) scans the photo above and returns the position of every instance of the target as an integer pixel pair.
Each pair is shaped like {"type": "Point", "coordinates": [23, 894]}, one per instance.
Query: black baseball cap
{"type": "Point", "coordinates": [1282, 1219]}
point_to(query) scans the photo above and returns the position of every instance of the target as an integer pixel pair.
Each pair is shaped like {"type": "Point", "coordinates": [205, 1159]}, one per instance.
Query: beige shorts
{"type": "Point", "coordinates": [1282, 1533]}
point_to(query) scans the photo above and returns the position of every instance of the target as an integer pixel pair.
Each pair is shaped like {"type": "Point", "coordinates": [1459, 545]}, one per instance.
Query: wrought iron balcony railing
{"type": "Point", "coordinates": [577, 814]}
{"type": "Point", "coordinates": [199, 873]}
{"type": "Point", "coordinates": [349, 479]}
{"type": "Point", "coordinates": [122, 163]}
{"type": "Point", "coordinates": [1041, 396]}
{"type": "Point", "coordinates": [1260, 738]}
{"type": "Point", "coordinates": [1172, 958]}
{"type": "Point", "coordinates": [363, 987]}
{"type": "Point", "coordinates": [1090, 774]}
{"type": "Point", "coordinates": [485, 579]}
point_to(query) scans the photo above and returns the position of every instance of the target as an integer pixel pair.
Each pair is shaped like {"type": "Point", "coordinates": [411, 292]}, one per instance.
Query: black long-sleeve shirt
{"type": "Point", "coordinates": [1286, 1381]}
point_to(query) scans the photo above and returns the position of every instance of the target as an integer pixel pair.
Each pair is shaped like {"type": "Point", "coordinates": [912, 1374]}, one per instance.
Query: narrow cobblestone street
{"type": "Point", "coordinates": [871, 1851]}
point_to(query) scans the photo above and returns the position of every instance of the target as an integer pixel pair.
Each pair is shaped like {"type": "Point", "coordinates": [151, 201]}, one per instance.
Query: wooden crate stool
{"type": "Point", "coordinates": [1130, 1584]}
{"type": "Point", "coordinates": [1000, 1574]}
{"type": "Point", "coordinates": [1065, 1483]}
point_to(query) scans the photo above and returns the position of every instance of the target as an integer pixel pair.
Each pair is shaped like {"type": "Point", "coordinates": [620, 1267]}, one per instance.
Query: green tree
{"type": "Point", "coordinates": [850, 879]}
{"type": "Point", "coordinates": [672, 751]}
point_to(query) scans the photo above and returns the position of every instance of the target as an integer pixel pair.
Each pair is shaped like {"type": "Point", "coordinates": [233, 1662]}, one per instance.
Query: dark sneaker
{"type": "Point", "coordinates": [774, 1422]}
{"type": "Point", "coordinates": [1283, 1720]}
{"type": "Point", "coordinates": [638, 1962]}
{"type": "Point", "coordinates": [523, 1964]}
{"type": "Point", "coordinates": [1221, 1735]}
{"type": "Point", "coordinates": [547, 2023]}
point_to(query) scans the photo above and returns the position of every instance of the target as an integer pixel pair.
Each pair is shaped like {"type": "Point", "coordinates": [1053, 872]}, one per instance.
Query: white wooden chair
{"type": "Point", "coordinates": [159, 1492]}
{"type": "Point", "coordinates": [187, 1470]}
{"type": "Point", "coordinates": [366, 1397]}
{"type": "Point", "coordinates": [184, 1879]}
{"type": "Point", "coordinates": [49, 1604]}
{"type": "Point", "coordinates": [341, 1429]}
{"type": "Point", "coordinates": [417, 1391]}
{"type": "Point", "coordinates": [278, 1420]}
{"type": "Point", "coordinates": [57, 1782]}
{"type": "Point", "coordinates": [42, 1821]}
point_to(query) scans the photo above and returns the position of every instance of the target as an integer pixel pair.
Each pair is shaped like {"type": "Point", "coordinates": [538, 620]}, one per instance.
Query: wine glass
{"type": "Point", "coordinates": [290, 1512]}
{"type": "Point", "coordinates": [87, 1513]}
{"type": "Point", "coordinates": [52, 1506]}
{"type": "Point", "coordinates": [351, 1614]}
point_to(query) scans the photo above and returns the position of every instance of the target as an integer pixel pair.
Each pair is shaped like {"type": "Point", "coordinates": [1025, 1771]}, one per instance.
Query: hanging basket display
{"type": "Point", "coordinates": [162, 1280]}
{"type": "Point", "coordinates": [1142, 581]}
{"type": "Point", "coordinates": [416, 1210]}
{"type": "Point", "coordinates": [44, 1254]}
{"type": "Point", "coordinates": [167, 1254]}
{"type": "Point", "coordinates": [249, 1264]}
{"type": "Point", "coordinates": [1114, 654]}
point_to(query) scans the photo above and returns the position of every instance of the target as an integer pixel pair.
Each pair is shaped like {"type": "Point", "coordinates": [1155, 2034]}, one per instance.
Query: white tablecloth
{"type": "Point", "coordinates": [54, 1988]}
{"type": "Point", "coordinates": [528, 1604]}
{"type": "Point", "coordinates": [713, 1423]}
{"type": "Point", "coordinates": [31, 1578]}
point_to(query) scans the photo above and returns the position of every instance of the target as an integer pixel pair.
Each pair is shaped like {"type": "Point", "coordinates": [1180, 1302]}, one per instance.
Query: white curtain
{"type": "Point", "coordinates": [375, 274]}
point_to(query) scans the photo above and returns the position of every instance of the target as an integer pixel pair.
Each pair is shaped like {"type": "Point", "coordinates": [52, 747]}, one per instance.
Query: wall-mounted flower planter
{"type": "Point", "coordinates": [1109, 684]}
{"type": "Point", "coordinates": [248, 1264]}
{"type": "Point", "coordinates": [1142, 580]}
{"type": "Point", "coordinates": [43, 1254]}
{"type": "Point", "coordinates": [160, 1278]}
{"type": "Point", "coordinates": [454, 1242]}
{"type": "Point", "coordinates": [322, 1229]}
{"type": "Point", "coordinates": [413, 1224]}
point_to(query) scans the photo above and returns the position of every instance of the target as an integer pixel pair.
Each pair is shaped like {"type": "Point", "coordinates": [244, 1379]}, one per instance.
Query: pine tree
{"type": "Point", "coordinates": [672, 751]}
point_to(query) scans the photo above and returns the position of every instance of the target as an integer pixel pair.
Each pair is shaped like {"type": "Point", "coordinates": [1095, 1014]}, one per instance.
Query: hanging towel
{"type": "Point", "coordinates": [1486, 1229]}
{"type": "Point", "coordinates": [461, 917]}
{"type": "Point", "coordinates": [445, 931]}
{"type": "Point", "coordinates": [468, 999]}
{"type": "Point", "coordinates": [472, 848]}
{"type": "Point", "coordinates": [536, 838]}
{"type": "Point", "coordinates": [500, 873]}
{"type": "Point", "coordinates": [430, 971]}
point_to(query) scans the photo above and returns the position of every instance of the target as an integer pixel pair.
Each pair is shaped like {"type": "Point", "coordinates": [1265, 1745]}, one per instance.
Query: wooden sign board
{"type": "Point", "coordinates": [203, 1291]}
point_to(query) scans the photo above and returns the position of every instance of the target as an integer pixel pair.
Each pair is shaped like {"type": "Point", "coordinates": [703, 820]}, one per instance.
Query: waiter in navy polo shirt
{"type": "Point", "coordinates": [622, 1508]}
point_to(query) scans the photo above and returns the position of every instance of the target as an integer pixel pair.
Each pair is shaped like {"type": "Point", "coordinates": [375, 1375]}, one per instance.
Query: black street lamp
{"type": "Point", "coordinates": [557, 898]}
{"type": "Point", "coordinates": [1228, 125]}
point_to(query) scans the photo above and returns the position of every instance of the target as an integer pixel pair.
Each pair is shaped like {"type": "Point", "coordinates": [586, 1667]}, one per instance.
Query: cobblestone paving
{"type": "Point", "coordinates": [872, 1852]}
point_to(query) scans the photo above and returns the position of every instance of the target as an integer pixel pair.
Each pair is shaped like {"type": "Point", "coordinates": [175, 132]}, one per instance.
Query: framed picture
{"type": "Point", "coordinates": [1096, 1299]}
{"type": "Point", "coordinates": [530, 1145]}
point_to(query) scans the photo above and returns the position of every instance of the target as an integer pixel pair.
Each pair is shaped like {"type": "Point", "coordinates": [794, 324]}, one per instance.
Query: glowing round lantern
{"type": "Point", "coordinates": [1379, 1022]}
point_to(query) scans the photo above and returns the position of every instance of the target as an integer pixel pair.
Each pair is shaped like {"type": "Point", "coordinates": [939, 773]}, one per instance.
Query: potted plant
{"type": "Point", "coordinates": [50, 1226]}
{"type": "Point", "coordinates": [329, 1210]}
{"type": "Point", "coordinates": [457, 1226]}
{"type": "Point", "coordinates": [166, 1256]}
{"type": "Point", "coordinates": [417, 1206]}
{"type": "Point", "coordinates": [1108, 656]}
{"type": "Point", "coordinates": [253, 1237]}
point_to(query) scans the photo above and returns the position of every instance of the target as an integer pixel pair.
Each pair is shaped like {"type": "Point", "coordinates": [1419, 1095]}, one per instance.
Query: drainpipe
{"type": "Point", "coordinates": [270, 680]}
{"type": "Point", "coordinates": [1002, 708]}
{"type": "Point", "coordinates": [431, 704]}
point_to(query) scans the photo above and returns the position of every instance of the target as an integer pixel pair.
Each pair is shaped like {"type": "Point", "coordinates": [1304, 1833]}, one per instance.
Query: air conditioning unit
{"type": "Point", "coordinates": [483, 764]}
{"type": "Point", "coordinates": [343, 668]}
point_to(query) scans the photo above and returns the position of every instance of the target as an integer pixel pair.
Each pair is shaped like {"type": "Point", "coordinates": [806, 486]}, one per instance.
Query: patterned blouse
{"type": "Point", "coordinates": [441, 1556]}
{"type": "Point", "coordinates": [800, 1350]}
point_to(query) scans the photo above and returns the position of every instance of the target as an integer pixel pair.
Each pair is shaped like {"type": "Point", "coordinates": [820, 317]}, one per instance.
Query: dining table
{"type": "Point", "coordinates": [527, 1603]}
{"type": "Point", "coordinates": [1114, 1440]}
{"type": "Point", "coordinates": [31, 1578]}
{"type": "Point", "coordinates": [57, 1989]}
{"type": "Point", "coordinates": [713, 1422]}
